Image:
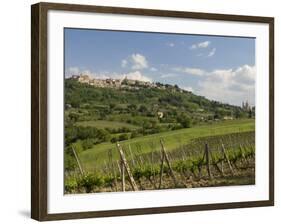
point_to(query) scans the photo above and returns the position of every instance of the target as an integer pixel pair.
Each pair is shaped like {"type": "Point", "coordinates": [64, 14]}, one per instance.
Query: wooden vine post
{"type": "Point", "coordinates": [112, 169]}
{"type": "Point", "coordinates": [215, 164]}
{"type": "Point", "coordinates": [227, 159]}
{"type": "Point", "coordinates": [222, 170]}
{"type": "Point", "coordinates": [208, 162]}
{"type": "Point", "coordinates": [77, 160]}
{"type": "Point", "coordinates": [123, 176]}
{"type": "Point", "coordinates": [161, 169]}
{"type": "Point", "coordinates": [165, 157]}
{"type": "Point", "coordinates": [200, 165]}
{"type": "Point", "coordinates": [125, 166]}
{"type": "Point", "coordinates": [132, 156]}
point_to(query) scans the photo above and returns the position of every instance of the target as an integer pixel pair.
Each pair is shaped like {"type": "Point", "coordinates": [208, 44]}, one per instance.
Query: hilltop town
{"type": "Point", "coordinates": [123, 83]}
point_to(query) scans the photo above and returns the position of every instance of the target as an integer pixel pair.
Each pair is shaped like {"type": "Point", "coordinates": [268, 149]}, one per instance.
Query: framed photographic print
{"type": "Point", "coordinates": [139, 111]}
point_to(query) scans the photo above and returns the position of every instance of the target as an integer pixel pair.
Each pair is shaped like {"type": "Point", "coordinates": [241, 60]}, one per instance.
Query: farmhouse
{"type": "Point", "coordinates": [228, 118]}
{"type": "Point", "coordinates": [160, 114]}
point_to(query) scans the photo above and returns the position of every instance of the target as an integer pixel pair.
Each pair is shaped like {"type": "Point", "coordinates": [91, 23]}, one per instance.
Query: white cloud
{"type": "Point", "coordinates": [100, 75]}
{"type": "Point", "coordinates": [169, 75]}
{"type": "Point", "coordinates": [204, 44]}
{"type": "Point", "coordinates": [72, 71]}
{"type": "Point", "coordinates": [188, 88]}
{"type": "Point", "coordinates": [77, 71]}
{"type": "Point", "coordinates": [135, 62]}
{"type": "Point", "coordinates": [135, 75]}
{"type": "Point", "coordinates": [153, 69]}
{"type": "Point", "coordinates": [87, 72]}
{"type": "Point", "coordinates": [190, 71]}
{"type": "Point", "coordinates": [138, 61]}
{"type": "Point", "coordinates": [124, 63]}
{"type": "Point", "coordinates": [230, 86]}
{"type": "Point", "coordinates": [246, 74]}
{"type": "Point", "coordinates": [212, 52]}
{"type": "Point", "coordinates": [171, 44]}
{"type": "Point", "coordinates": [193, 46]}
{"type": "Point", "coordinates": [200, 45]}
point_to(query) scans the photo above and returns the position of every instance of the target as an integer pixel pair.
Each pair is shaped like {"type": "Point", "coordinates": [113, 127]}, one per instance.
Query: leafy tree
{"type": "Point", "coordinates": [88, 143]}
{"type": "Point", "coordinates": [112, 106]}
{"type": "Point", "coordinates": [73, 117]}
{"type": "Point", "coordinates": [143, 109]}
{"type": "Point", "coordinates": [74, 133]}
{"type": "Point", "coordinates": [250, 113]}
{"type": "Point", "coordinates": [114, 140]}
{"type": "Point", "coordinates": [218, 114]}
{"type": "Point", "coordinates": [184, 120]}
{"type": "Point", "coordinates": [136, 133]}
{"type": "Point", "coordinates": [238, 113]}
{"type": "Point", "coordinates": [123, 137]}
{"type": "Point", "coordinates": [132, 107]}
{"type": "Point", "coordinates": [69, 162]}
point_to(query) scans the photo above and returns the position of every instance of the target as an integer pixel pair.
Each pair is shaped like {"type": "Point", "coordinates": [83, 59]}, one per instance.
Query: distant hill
{"type": "Point", "coordinates": [141, 99]}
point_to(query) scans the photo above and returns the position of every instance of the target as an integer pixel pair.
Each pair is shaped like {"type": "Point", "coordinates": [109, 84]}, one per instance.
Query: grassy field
{"type": "Point", "coordinates": [105, 124]}
{"type": "Point", "coordinates": [173, 139]}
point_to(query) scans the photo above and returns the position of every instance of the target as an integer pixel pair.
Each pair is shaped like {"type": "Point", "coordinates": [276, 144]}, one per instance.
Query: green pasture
{"type": "Point", "coordinates": [98, 155]}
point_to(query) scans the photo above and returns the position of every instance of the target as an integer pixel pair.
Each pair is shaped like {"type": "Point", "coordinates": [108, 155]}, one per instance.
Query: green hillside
{"type": "Point", "coordinates": [139, 115]}
{"type": "Point", "coordinates": [173, 139]}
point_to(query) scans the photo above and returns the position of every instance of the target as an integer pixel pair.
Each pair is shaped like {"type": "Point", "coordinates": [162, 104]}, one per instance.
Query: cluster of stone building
{"type": "Point", "coordinates": [112, 83]}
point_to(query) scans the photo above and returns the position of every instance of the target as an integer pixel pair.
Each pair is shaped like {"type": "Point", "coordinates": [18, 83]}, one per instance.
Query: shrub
{"type": "Point", "coordinates": [109, 181]}
{"type": "Point", "coordinates": [137, 173]}
{"type": "Point", "coordinates": [88, 143]}
{"type": "Point", "coordinates": [69, 162]}
{"type": "Point", "coordinates": [184, 120]}
{"type": "Point", "coordinates": [90, 181]}
{"type": "Point", "coordinates": [136, 133]}
{"type": "Point", "coordinates": [74, 133]}
{"type": "Point", "coordinates": [114, 140]}
{"type": "Point", "coordinates": [123, 137]}
{"type": "Point", "coordinates": [71, 185]}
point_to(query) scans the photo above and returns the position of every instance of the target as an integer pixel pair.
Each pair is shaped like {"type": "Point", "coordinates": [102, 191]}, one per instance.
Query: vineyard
{"type": "Point", "coordinates": [220, 160]}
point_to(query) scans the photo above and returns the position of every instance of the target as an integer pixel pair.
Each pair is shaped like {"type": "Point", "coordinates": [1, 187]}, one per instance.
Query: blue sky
{"type": "Point", "coordinates": [219, 68]}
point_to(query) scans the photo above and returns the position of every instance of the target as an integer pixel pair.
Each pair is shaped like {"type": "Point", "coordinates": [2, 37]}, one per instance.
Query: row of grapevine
{"type": "Point", "coordinates": [199, 163]}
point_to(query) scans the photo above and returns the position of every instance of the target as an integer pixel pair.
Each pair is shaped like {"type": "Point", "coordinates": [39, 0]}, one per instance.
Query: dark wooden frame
{"type": "Point", "coordinates": [39, 110]}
